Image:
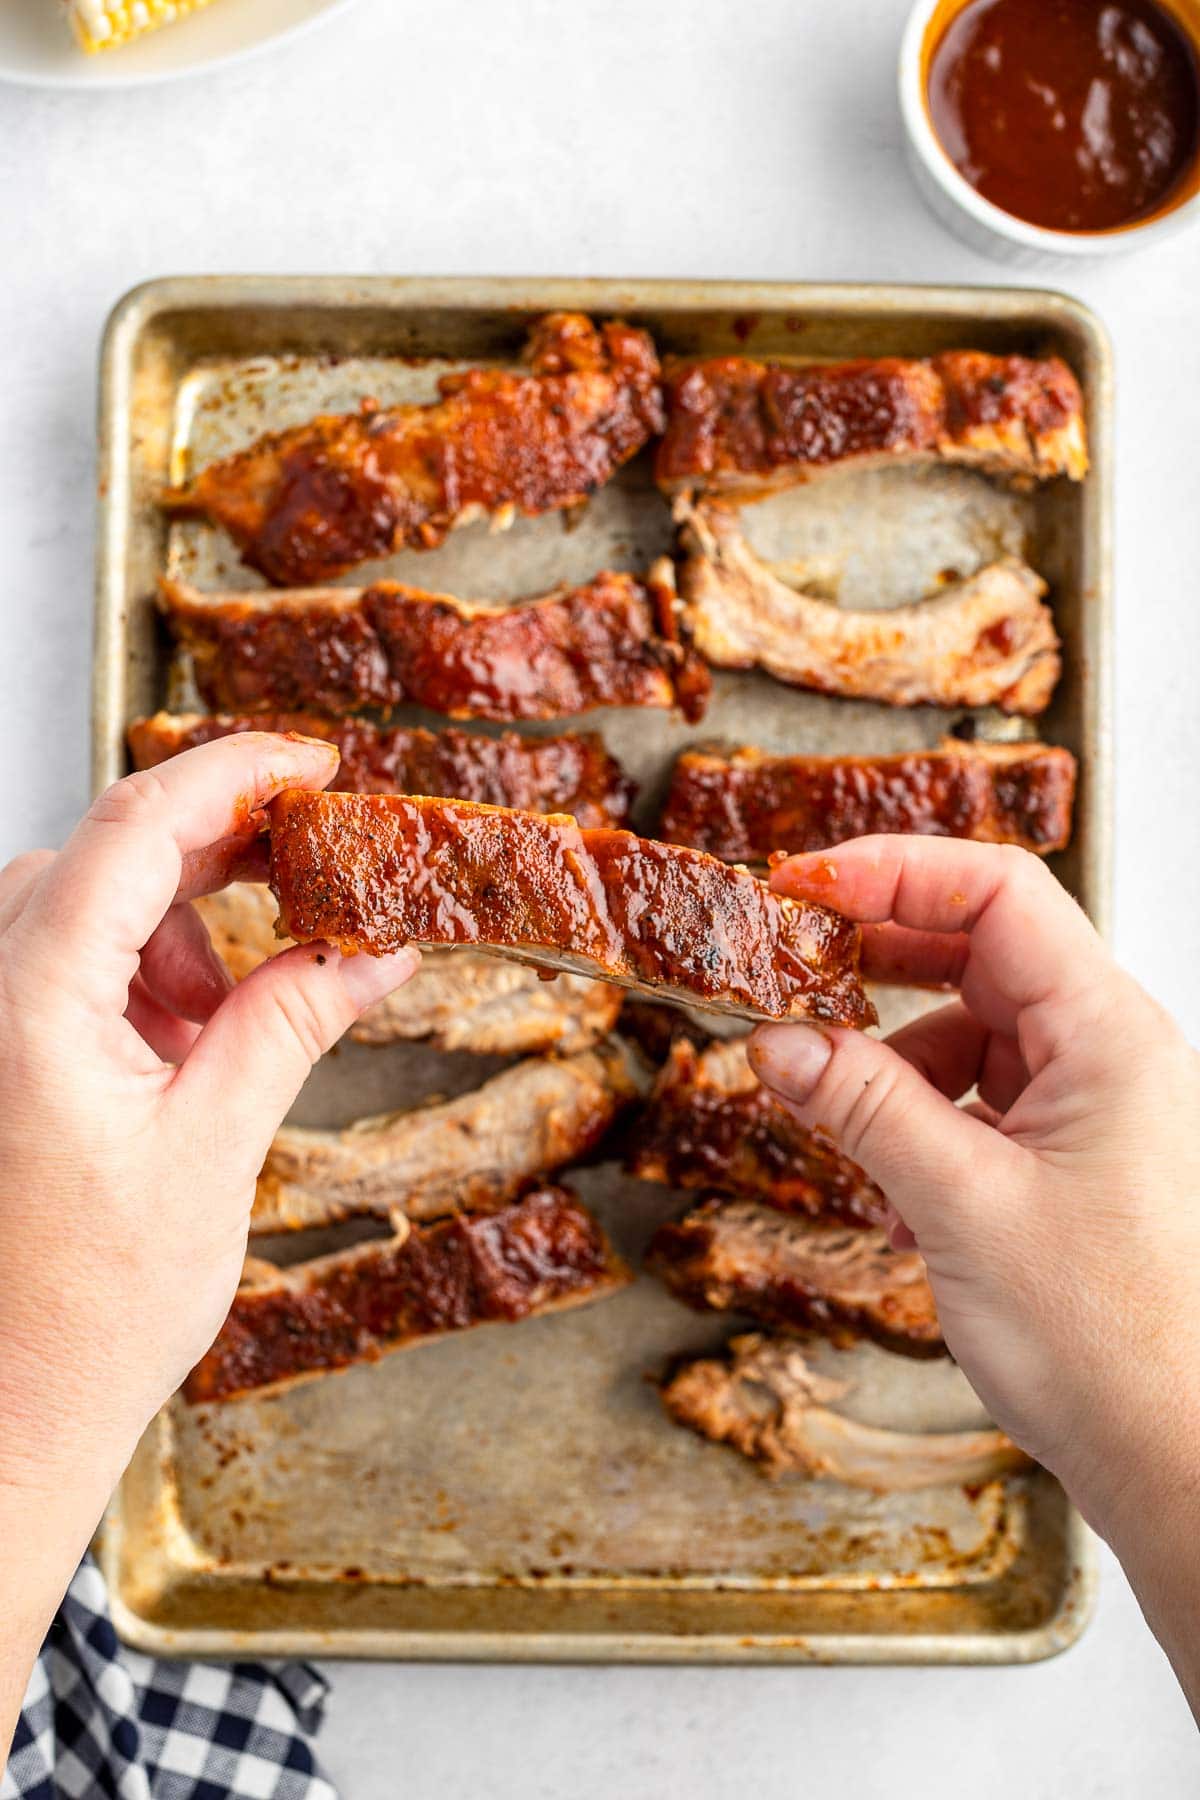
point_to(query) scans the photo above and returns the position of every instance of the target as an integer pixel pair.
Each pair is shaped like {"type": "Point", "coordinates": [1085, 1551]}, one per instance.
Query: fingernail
{"type": "Point", "coordinates": [371, 978]}
{"type": "Point", "coordinates": [790, 1059]}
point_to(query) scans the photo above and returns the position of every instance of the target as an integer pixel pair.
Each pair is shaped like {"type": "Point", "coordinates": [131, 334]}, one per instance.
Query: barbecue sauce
{"type": "Point", "coordinates": [1075, 115]}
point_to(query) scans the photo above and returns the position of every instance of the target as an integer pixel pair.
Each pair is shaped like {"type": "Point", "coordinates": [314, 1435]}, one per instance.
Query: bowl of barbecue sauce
{"type": "Point", "coordinates": [1055, 127]}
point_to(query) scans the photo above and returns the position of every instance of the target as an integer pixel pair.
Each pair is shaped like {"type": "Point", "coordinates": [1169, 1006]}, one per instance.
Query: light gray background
{"type": "Point", "coordinates": [607, 137]}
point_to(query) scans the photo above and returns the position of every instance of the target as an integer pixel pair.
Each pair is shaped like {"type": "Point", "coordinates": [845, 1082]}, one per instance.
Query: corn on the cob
{"type": "Point", "coordinates": [103, 24]}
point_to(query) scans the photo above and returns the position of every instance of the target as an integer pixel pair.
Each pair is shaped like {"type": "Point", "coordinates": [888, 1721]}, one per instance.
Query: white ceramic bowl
{"type": "Point", "coordinates": [984, 226]}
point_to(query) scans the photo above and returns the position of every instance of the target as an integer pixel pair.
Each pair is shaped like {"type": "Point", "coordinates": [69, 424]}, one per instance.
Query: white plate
{"type": "Point", "coordinates": [38, 48]}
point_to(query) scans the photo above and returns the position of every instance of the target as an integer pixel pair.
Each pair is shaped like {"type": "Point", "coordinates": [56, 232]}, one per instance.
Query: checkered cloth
{"type": "Point", "coordinates": [102, 1720]}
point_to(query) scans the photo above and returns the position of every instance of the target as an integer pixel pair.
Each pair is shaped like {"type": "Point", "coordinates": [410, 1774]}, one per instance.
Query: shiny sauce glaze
{"type": "Point", "coordinates": [731, 419]}
{"type": "Point", "coordinates": [572, 773]}
{"type": "Point", "coordinates": [1076, 115]}
{"type": "Point", "coordinates": [747, 806]}
{"type": "Point", "coordinates": [377, 872]}
{"type": "Point", "coordinates": [307, 504]}
{"type": "Point", "coordinates": [449, 1276]}
{"type": "Point", "coordinates": [600, 644]}
{"type": "Point", "coordinates": [745, 1145]}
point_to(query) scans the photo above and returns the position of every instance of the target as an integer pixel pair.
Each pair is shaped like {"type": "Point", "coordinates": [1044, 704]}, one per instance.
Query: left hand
{"type": "Point", "coordinates": [138, 1097]}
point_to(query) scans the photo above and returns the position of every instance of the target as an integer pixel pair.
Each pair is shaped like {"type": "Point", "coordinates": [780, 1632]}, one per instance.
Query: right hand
{"type": "Point", "coordinates": [1060, 1216]}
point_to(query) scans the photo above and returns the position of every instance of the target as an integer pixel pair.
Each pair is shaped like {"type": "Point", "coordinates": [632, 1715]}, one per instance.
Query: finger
{"type": "Point", "coordinates": [181, 969]}
{"type": "Point", "coordinates": [1003, 1076]}
{"type": "Point", "coordinates": [955, 1052]}
{"type": "Point", "coordinates": [1030, 944]}
{"type": "Point", "coordinates": [895, 955]}
{"type": "Point", "coordinates": [253, 1056]}
{"type": "Point", "coordinates": [17, 879]}
{"type": "Point", "coordinates": [233, 858]}
{"type": "Point", "coordinates": [252, 863]}
{"type": "Point", "coordinates": [979, 1109]}
{"type": "Point", "coordinates": [169, 1037]}
{"type": "Point", "coordinates": [929, 1157]}
{"type": "Point", "coordinates": [160, 835]}
{"type": "Point", "coordinates": [898, 1234]}
{"type": "Point", "coordinates": [947, 1047]}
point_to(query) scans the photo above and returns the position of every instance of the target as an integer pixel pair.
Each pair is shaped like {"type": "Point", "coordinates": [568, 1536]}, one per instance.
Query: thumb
{"type": "Point", "coordinates": [926, 1154]}
{"type": "Point", "coordinates": [256, 1051]}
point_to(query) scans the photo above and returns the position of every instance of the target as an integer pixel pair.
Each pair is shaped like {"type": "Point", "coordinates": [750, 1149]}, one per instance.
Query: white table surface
{"type": "Point", "coordinates": [608, 137]}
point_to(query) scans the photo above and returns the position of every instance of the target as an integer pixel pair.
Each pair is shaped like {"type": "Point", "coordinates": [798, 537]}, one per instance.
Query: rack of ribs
{"type": "Point", "coordinates": [988, 640]}
{"type": "Point", "coordinates": [744, 805]}
{"type": "Point", "coordinates": [762, 1398]}
{"type": "Point", "coordinates": [743, 428]}
{"type": "Point", "coordinates": [571, 773]}
{"type": "Point", "coordinates": [612, 642]}
{"type": "Point", "coordinates": [308, 504]}
{"type": "Point", "coordinates": [710, 1124]}
{"type": "Point", "coordinates": [478, 1150]}
{"type": "Point", "coordinates": [541, 1254]}
{"type": "Point", "coordinates": [457, 1000]}
{"type": "Point", "coordinates": [799, 1273]}
{"type": "Point", "coordinates": [375, 872]}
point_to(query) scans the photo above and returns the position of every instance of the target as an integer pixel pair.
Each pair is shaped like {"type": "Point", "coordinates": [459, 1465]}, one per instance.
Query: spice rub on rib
{"type": "Point", "coordinates": [744, 805]}
{"type": "Point", "coordinates": [614, 641]}
{"type": "Point", "coordinates": [375, 873]}
{"type": "Point", "coordinates": [743, 428]}
{"type": "Point", "coordinates": [988, 640]}
{"type": "Point", "coordinates": [541, 1254]}
{"type": "Point", "coordinates": [307, 504]}
{"type": "Point", "coordinates": [572, 773]}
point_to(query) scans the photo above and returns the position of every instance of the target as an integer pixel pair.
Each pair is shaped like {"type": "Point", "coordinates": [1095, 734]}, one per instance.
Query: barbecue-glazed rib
{"type": "Point", "coordinates": [377, 872]}
{"type": "Point", "coordinates": [307, 504]}
{"type": "Point", "coordinates": [986, 641]}
{"type": "Point", "coordinates": [458, 1000]}
{"type": "Point", "coordinates": [572, 773]}
{"type": "Point", "coordinates": [478, 1150]}
{"type": "Point", "coordinates": [612, 642]}
{"type": "Point", "coordinates": [710, 1124]}
{"type": "Point", "coordinates": [742, 1256]}
{"type": "Point", "coordinates": [746, 428]}
{"type": "Point", "coordinates": [764, 1400]}
{"type": "Point", "coordinates": [743, 805]}
{"type": "Point", "coordinates": [542, 1254]}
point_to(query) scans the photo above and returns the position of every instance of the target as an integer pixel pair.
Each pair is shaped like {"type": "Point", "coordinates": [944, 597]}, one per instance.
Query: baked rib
{"type": "Point", "coordinates": [457, 1000]}
{"type": "Point", "coordinates": [744, 805]}
{"type": "Point", "coordinates": [710, 1124]}
{"type": "Point", "coordinates": [762, 1398]}
{"type": "Point", "coordinates": [541, 1254]}
{"type": "Point", "coordinates": [377, 872]}
{"type": "Point", "coordinates": [571, 773]}
{"type": "Point", "coordinates": [986, 641]}
{"type": "Point", "coordinates": [308, 504]}
{"type": "Point", "coordinates": [744, 428]}
{"type": "Point", "coordinates": [612, 642]}
{"type": "Point", "coordinates": [478, 1150]}
{"type": "Point", "coordinates": [786, 1270]}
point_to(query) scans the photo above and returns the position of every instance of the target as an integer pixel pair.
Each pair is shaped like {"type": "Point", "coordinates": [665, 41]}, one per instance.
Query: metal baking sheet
{"type": "Point", "coordinates": [518, 1493]}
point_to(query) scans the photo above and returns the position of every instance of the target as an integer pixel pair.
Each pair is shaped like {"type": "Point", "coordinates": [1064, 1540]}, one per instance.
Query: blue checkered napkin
{"type": "Point", "coordinates": [102, 1720]}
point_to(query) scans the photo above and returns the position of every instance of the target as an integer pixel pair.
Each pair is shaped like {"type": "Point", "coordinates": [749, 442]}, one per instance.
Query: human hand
{"type": "Point", "coordinates": [138, 1097]}
{"type": "Point", "coordinates": [1060, 1216]}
